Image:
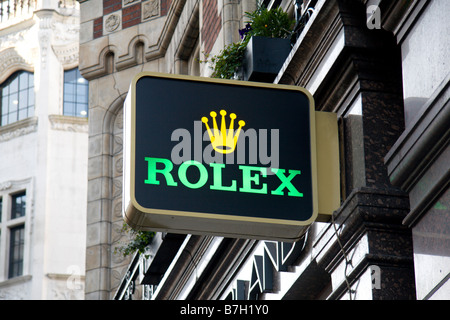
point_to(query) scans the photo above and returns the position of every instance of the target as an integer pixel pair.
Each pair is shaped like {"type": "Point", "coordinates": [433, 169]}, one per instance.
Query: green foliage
{"type": "Point", "coordinates": [229, 60]}
{"type": "Point", "coordinates": [274, 23]}
{"type": "Point", "coordinates": [139, 241]}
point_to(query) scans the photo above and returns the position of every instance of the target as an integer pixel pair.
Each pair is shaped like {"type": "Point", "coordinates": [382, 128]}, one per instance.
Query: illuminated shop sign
{"type": "Point", "coordinates": [219, 157]}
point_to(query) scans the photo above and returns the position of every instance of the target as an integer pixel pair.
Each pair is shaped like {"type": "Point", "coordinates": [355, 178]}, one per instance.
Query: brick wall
{"type": "Point", "coordinates": [165, 5]}
{"type": "Point", "coordinates": [212, 23]}
{"type": "Point", "coordinates": [98, 27]}
{"type": "Point", "coordinates": [131, 14]}
{"type": "Point", "coordinates": [111, 6]}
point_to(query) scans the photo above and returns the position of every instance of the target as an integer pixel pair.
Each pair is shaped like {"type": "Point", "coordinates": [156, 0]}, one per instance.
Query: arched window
{"type": "Point", "coordinates": [76, 94]}
{"type": "Point", "coordinates": [17, 97]}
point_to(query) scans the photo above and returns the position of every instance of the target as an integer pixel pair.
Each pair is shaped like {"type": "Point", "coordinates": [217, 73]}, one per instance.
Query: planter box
{"type": "Point", "coordinates": [264, 58]}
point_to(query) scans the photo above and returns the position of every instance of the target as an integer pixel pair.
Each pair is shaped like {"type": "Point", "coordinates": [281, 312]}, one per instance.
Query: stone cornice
{"type": "Point", "coordinates": [68, 123]}
{"type": "Point", "coordinates": [17, 129]}
{"type": "Point", "coordinates": [422, 142]}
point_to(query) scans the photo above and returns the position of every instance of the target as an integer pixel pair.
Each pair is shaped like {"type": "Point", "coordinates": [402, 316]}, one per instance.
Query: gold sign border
{"type": "Point", "coordinates": [134, 208]}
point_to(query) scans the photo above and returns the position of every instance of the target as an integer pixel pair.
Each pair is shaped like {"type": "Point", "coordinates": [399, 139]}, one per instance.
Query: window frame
{"type": "Point", "coordinates": [14, 102]}
{"type": "Point", "coordinates": [8, 191]}
{"type": "Point", "coordinates": [73, 98]}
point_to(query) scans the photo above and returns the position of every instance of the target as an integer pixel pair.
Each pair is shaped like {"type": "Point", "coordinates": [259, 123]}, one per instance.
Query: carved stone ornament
{"type": "Point", "coordinates": [150, 9]}
{"type": "Point", "coordinates": [112, 23]}
{"type": "Point", "coordinates": [5, 185]}
{"type": "Point", "coordinates": [68, 123]}
{"type": "Point", "coordinates": [67, 54]}
{"type": "Point", "coordinates": [18, 129]}
{"type": "Point", "coordinates": [10, 61]}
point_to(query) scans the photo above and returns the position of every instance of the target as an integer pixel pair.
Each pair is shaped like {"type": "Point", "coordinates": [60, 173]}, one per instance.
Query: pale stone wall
{"type": "Point", "coordinates": [45, 155]}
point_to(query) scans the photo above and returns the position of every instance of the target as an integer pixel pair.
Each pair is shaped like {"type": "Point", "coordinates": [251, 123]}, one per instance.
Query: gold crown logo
{"type": "Point", "coordinates": [223, 140]}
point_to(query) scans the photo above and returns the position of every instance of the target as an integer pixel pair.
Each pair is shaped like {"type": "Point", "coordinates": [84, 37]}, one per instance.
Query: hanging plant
{"type": "Point", "coordinates": [139, 241]}
{"type": "Point", "coordinates": [227, 63]}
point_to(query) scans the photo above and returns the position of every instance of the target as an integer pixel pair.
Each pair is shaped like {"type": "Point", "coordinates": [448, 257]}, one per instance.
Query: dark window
{"type": "Point", "coordinates": [17, 97]}
{"type": "Point", "coordinates": [18, 205]}
{"type": "Point", "coordinates": [16, 248]}
{"type": "Point", "coordinates": [76, 94]}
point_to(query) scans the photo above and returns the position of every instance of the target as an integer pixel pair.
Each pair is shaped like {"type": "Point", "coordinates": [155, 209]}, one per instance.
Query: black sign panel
{"type": "Point", "coordinates": [209, 149]}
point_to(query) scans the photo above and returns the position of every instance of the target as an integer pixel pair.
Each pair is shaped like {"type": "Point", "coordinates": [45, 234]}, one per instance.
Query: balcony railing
{"type": "Point", "coordinates": [10, 9]}
{"type": "Point", "coordinates": [67, 3]}
{"type": "Point", "coordinates": [304, 9]}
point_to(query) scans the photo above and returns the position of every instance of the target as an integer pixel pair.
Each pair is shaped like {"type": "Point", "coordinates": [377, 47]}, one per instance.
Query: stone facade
{"type": "Point", "coordinates": [118, 40]}
{"type": "Point", "coordinates": [419, 161]}
{"type": "Point", "coordinates": [45, 155]}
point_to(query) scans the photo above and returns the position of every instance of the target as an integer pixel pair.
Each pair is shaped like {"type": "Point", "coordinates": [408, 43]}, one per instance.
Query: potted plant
{"type": "Point", "coordinates": [264, 45]}
{"type": "Point", "coordinates": [269, 33]}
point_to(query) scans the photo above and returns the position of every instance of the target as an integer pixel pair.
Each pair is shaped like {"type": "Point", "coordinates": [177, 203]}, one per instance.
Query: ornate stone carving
{"type": "Point", "coordinates": [10, 61]}
{"type": "Point", "coordinates": [150, 9]}
{"type": "Point", "coordinates": [64, 33]}
{"type": "Point", "coordinates": [5, 185]}
{"type": "Point", "coordinates": [66, 123]}
{"type": "Point", "coordinates": [18, 129]}
{"type": "Point", "coordinates": [67, 54]}
{"type": "Point", "coordinates": [112, 22]}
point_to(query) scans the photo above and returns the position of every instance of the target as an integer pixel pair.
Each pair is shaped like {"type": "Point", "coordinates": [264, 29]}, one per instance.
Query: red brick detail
{"type": "Point", "coordinates": [111, 6]}
{"type": "Point", "coordinates": [165, 5]}
{"type": "Point", "coordinates": [131, 15]}
{"type": "Point", "coordinates": [212, 23]}
{"type": "Point", "coordinates": [98, 27]}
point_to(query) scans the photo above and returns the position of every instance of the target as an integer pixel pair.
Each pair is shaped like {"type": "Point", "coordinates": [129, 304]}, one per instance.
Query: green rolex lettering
{"type": "Point", "coordinates": [286, 183]}
{"type": "Point", "coordinates": [248, 178]}
{"type": "Point", "coordinates": [217, 178]}
{"type": "Point", "coordinates": [203, 174]}
{"type": "Point", "coordinates": [152, 171]}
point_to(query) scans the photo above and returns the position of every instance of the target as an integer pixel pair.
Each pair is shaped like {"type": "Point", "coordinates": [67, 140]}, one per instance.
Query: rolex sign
{"type": "Point", "coordinates": [228, 158]}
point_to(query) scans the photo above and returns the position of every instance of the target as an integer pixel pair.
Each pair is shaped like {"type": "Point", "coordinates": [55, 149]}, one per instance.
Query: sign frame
{"type": "Point", "coordinates": [227, 225]}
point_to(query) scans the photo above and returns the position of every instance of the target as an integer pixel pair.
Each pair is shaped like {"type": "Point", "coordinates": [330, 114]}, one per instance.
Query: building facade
{"type": "Point", "coordinates": [379, 65]}
{"type": "Point", "coordinates": [43, 151]}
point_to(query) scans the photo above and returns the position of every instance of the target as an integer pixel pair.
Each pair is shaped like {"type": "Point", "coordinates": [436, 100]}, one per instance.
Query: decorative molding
{"type": "Point", "coordinates": [401, 16]}
{"type": "Point", "coordinates": [419, 138]}
{"type": "Point", "coordinates": [18, 129]}
{"type": "Point", "coordinates": [67, 54]}
{"type": "Point", "coordinates": [68, 123]}
{"type": "Point", "coordinates": [14, 184]}
{"type": "Point", "coordinates": [159, 49]}
{"type": "Point", "coordinates": [424, 142]}
{"type": "Point", "coordinates": [11, 40]}
{"type": "Point", "coordinates": [11, 61]}
{"type": "Point", "coordinates": [5, 185]}
{"type": "Point", "coordinates": [65, 32]}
